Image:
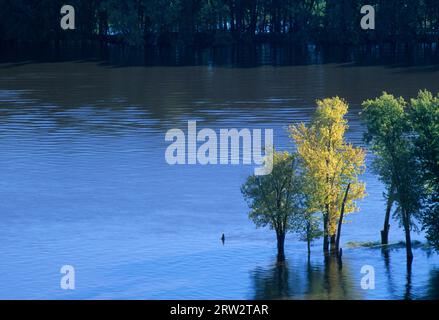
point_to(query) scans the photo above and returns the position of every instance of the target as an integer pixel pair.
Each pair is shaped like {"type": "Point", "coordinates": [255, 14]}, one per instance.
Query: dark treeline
{"type": "Point", "coordinates": [211, 23]}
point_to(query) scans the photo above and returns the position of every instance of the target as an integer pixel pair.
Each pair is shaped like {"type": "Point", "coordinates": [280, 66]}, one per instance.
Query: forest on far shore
{"type": "Point", "coordinates": [216, 23]}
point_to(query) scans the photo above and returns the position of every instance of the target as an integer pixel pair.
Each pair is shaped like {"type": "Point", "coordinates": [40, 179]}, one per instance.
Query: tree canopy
{"type": "Point", "coordinates": [276, 200]}
{"type": "Point", "coordinates": [139, 22]}
{"type": "Point", "coordinates": [331, 165]}
{"type": "Point", "coordinates": [424, 117]}
{"type": "Point", "coordinates": [389, 135]}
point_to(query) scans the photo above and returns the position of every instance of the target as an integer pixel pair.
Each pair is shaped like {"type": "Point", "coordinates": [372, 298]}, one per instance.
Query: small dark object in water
{"type": "Point", "coordinates": [223, 238]}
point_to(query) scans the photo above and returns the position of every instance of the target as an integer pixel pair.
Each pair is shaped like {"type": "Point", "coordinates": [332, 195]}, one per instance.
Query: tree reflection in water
{"type": "Point", "coordinates": [326, 278]}
{"type": "Point", "coordinates": [433, 285]}
{"type": "Point", "coordinates": [308, 280]}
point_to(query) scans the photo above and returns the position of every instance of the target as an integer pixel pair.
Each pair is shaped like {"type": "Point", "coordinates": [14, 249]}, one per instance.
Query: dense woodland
{"type": "Point", "coordinates": [212, 23]}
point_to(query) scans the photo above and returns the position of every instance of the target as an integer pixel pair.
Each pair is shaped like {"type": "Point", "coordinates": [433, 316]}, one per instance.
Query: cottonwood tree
{"type": "Point", "coordinates": [276, 200]}
{"type": "Point", "coordinates": [389, 135]}
{"type": "Point", "coordinates": [331, 166]}
{"type": "Point", "coordinates": [424, 117]}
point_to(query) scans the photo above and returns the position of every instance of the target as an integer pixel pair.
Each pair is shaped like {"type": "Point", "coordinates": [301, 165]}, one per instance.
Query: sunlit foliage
{"type": "Point", "coordinates": [331, 165]}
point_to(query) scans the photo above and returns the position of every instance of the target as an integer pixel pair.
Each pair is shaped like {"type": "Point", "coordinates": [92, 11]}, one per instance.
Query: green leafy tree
{"type": "Point", "coordinates": [424, 116]}
{"type": "Point", "coordinates": [276, 200]}
{"type": "Point", "coordinates": [307, 227]}
{"type": "Point", "coordinates": [388, 134]}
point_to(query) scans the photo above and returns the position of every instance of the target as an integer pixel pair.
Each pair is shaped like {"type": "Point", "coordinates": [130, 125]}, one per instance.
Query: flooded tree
{"type": "Point", "coordinates": [331, 165]}
{"type": "Point", "coordinates": [424, 117]}
{"type": "Point", "coordinates": [389, 135]}
{"type": "Point", "coordinates": [308, 228]}
{"type": "Point", "coordinates": [276, 200]}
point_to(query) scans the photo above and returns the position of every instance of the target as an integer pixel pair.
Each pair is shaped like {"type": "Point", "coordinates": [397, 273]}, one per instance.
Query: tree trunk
{"type": "Point", "coordinates": [408, 240]}
{"type": "Point", "coordinates": [333, 246]}
{"type": "Point", "coordinates": [325, 234]}
{"type": "Point", "coordinates": [253, 18]}
{"type": "Point", "coordinates": [340, 220]}
{"type": "Point", "coordinates": [385, 231]}
{"type": "Point", "coordinates": [280, 246]}
{"type": "Point", "coordinates": [187, 25]}
{"type": "Point", "coordinates": [325, 244]}
{"type": "Point", "coordinates": [308, 237]}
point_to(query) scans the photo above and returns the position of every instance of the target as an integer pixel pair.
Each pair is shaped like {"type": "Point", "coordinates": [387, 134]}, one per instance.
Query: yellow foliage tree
{"type": "Point", "coordinates": [331, 165]}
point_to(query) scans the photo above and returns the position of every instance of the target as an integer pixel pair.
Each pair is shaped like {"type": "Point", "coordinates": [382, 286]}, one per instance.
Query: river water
{"type": "Point", "coordinates": [84, 182]}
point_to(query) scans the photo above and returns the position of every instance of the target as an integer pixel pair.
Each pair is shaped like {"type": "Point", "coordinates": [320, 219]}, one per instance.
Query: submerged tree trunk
{"type": "Point", "coordinates": [408, 240]}
{"type": "Point", "coordinates": [280, 246]}
{"type": "Point", "coordinates": [325, 234]}
{"type": "Point", "coordinates": [308, 237]}
{"type": "Point", "coordinates": [386, 228]}
{"type": "Point", "coordinates": [340, 220]}
{"type": "Point", "coordinates": [325, 244]}
{"type": "Point", "coordinates": [333, 246]}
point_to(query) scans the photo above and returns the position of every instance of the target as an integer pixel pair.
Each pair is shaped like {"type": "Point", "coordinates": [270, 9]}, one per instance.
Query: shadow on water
{"type": "Point", "coordinates": [388, 271]}
{"type": "Point", "coordinates": [273, 283]}
{"type": "Point", "coordinates": [433, 285]}
{"type": "Point", "coordinates": [327, 279]}
{"type": "Point", "coordinates": [385, 252]}
{"type": "Point", "coordinates": [305, 280]}
{"type": "Point", "coordinates": [240, 55]}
